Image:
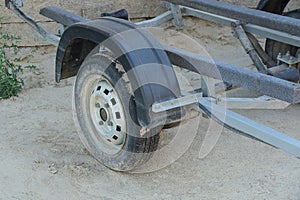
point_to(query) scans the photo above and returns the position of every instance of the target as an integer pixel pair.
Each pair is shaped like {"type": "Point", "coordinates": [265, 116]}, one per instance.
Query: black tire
{"type": "Point", "coordinates": [273, 6]}
{"type": "Point", "coordinates": [134, 149]}
{"type": "Point", "coordinates": [273, 48]}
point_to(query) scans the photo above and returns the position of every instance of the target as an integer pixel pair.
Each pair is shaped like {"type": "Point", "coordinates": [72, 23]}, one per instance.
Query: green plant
{"type": "Point", "coordinates": [10, 82]}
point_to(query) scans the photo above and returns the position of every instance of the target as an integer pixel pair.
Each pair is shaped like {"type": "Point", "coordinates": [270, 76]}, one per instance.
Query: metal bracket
{"type": "Point", "coordinates": [289, 59]}
{"type": "Point", "coordinates": [177, 15]}
{"type": "Point", "coordinates": [176, 103]}
{"type": "Point", "coordinates": [17, 3]}
{"type": "Point", "coordinates": [263, 102]}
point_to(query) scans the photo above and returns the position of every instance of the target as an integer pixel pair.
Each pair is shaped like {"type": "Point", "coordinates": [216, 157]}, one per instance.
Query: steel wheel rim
{"type": "Point", "coordinates": [106, 115]}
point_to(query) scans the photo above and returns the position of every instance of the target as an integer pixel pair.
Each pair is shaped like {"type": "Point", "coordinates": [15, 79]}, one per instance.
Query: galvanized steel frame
{"type": "Point", "coordinates": [244, 14]}
{"type": "Point", "coordinates": [281, 36]}
{"type": "Point", "coordinates": [264, 84]}
{"type": "Point", "coordinates": [255, 81]}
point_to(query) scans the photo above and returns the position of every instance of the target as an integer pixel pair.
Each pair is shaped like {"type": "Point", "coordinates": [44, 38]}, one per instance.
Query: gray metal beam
{"type": "Point", "coordinates": [252, 80]}
{"type": "Point", "coordinates": [254, 29]}
{"type": "Point", "coordinates": [244, 14]}
{"type": "Point", "coordinates": [157, 21]}
{"type": "Point", "coordinates": [249, 127]}
{"type": "Point", "coordinates": [50, 38]}
{"type": "Point", "coordinates": [61, 16]}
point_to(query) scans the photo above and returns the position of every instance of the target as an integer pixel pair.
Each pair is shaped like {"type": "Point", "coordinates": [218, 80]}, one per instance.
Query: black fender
{"type": "Point", "coordinates": [147, 65]}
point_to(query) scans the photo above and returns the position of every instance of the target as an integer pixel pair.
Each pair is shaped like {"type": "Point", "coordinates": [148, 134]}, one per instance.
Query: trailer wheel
{"type": "Point", "coordinates": [104, 114]}
{"type": "Point", "coordinates": [273, 48]}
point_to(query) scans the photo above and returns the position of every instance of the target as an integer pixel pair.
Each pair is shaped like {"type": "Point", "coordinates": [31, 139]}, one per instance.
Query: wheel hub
{"type": "Point", "coordinates": [103, 114]}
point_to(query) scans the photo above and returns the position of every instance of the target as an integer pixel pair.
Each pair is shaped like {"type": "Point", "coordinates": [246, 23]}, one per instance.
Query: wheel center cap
{"type": "Point", "coordinates": [103, 114]}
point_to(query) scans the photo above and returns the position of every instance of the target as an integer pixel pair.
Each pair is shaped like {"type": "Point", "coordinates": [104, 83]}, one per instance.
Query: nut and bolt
{"type": "Point", "coordinates": [98, 105]}
{"type": "Point", "coordinates": [110, 124]}
{"type": "Point", "coordinates": [279, 55]}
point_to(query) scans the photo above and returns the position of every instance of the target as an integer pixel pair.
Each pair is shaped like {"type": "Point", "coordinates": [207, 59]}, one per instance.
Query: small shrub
{"type": "Point", "coordinates": [10, 82]}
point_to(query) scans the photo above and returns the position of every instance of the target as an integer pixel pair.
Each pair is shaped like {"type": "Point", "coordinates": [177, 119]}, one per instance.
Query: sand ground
{"type": "Point", "coordinates": [41, 156]}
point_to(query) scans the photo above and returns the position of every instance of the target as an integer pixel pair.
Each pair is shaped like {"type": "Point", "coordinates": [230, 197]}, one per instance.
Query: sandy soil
{"type": "Point", "coordinates": [41, 156]}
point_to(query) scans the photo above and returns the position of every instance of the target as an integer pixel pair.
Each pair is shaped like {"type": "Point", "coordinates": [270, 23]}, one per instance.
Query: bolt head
{"type": "Point", "coordinates": [98, 105]}
{"type": "Point", "coordinates": [110, 124]}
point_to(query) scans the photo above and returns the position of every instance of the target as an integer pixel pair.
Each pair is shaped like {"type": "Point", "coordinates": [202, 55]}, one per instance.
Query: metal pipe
{"type": "Point", "coordinates": [245, 15]}
{"type": "Point", "coordinates": [157, 21]}
{"type": "Point", "coordinates": [246, 43]}
{"type": "Point", "coordinates": [260, 51]}
{"type": "Point", "coordinates": [249, 28]}
{"type": "Point", "coordinates": [50, 38]}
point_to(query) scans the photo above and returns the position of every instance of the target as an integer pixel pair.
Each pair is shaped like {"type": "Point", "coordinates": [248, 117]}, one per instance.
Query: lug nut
{"type": "Point", "coordinates": [279, 55]}
{"type": "Point", "coordinates": [110, 124]}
